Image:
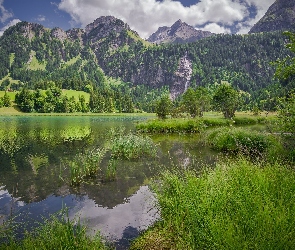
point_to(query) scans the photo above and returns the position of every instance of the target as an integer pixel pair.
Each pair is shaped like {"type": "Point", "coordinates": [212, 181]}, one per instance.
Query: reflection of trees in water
{"type": "Point", "coordinates": [129, 234]}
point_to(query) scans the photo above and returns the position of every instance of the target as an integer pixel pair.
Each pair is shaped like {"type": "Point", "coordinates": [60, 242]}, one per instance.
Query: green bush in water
{"type": "Point", "coordinates": [133, 147]}
{"type": "Point", "coordinates": [241, 140]}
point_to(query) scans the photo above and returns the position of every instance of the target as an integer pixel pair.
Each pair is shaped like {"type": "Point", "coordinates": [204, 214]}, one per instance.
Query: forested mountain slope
{"type": "Point", "coordinates": [31, 53]}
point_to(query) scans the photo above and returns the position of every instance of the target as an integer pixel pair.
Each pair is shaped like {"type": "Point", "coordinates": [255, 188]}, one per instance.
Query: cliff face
{"type": "Point", "coordinates": [280, 16]}
{"type": "Point", "coordinates": [179, 32]}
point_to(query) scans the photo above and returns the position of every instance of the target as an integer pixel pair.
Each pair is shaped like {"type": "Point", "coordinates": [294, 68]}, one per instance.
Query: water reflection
{"type": "Point", "coordinates": [34, 183]}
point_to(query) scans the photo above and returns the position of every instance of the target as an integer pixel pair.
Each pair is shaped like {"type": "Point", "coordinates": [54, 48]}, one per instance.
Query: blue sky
{"type": "Point", "coordinates": [144, 16]}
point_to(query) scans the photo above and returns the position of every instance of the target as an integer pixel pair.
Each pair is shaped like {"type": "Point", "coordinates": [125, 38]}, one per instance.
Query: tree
{"type": "Point", "coordinates": [25, 100]}
{"type": "Point", "coordinates": [286, 67]}
{"type": "Point", "coordinates": [226, 99]}
{"type": "Point", "coordinates": [6, 100]}
{"type": "Point", "coordinates": [163, 107]}
{"type": "Point", "coordinates": [286, 71]}
{"type": "Point", "coordinates": [190, 102]}
{"type": "Point", "coordinates": [287, 114]}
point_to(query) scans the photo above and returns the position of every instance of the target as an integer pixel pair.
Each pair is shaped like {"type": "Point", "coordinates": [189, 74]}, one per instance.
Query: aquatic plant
{"type": "Point", "coordinates": [85, 165]}
{"type": "Point", "coordinates": [242, 140]}
{"type": "Point", "coordinates": [132, 146]}
{"type": "Point", "coordinates": [111, 171]}
{"type": "Point", "coordinates": [238, 205]}
{"type": "Point", "coordinates": [57, 232]}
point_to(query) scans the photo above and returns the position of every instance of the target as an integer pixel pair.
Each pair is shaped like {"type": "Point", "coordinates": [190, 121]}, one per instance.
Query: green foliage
{"type": "Point", "coordinates": [6, 102]}
{"type": "Point", "coordinates": [163, 107]}
{"type": "Point", "coordinates": [133, 147]}
{"type": "Point", "coordinates": [286, 67]}
{"type": "Point", "coordinates": [56, 232]}
{"type": "Point", "coordinates": [85, 165]}
{"type": "Point", "coordinates": [196, 101]}
{"type": "Point", "coordinates": [171, 126]}
{"type": "Point", "coordinates": [238, 205]}
{"type": "Point", "coordinates": [287, 115]}
{"type": "Point", "coordinates": [244, 141]}
{"type": "Point", "coordinates": [226, 99]}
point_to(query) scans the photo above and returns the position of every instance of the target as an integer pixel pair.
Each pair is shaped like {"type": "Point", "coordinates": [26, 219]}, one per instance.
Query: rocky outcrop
{"type": "Point", "coordinates": [31, 30]}
{"type": "Point", "coordinates": [59, 34]}
{"type": "Point", "coordinates": [105, 26]}
{"type": "Point", "coordinates": [182, 77]}
{"type": "Point", "coordinates": [179, 32]}
{"type": "Point", "coordinates": [279, 17]}
{"type": "Point", "coordinates": [75, 34]}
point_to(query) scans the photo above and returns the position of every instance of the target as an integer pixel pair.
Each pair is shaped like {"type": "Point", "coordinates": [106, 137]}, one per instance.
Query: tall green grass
{"type": "Point", "coordinates": [54, 233]}
{"type": "Point", "coordinates": [180, 125]}
{"type": "Point", "coordinates": [85, 165]}
{"type": "Point", "coordinates": [244, 141]}
{"type": "Point", "coordinates": [132, 146]}
{"type": "Point", "coordinates": [238, 205]}
{"type": "Point", "coordinates": [171, 126]}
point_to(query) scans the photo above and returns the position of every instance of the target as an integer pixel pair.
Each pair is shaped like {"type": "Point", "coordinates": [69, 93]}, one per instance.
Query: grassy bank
{"type": "Point", "coordinates": [238, 205]}
{"type": "Point", "coordinates": [54, 233]}
{"type": "Point", "coordinates": [188, 125]}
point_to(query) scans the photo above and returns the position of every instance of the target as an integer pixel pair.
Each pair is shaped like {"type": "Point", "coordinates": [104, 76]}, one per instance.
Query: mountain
{"type": "Point", "coordinates": [32, 54]}
{"type": "Point", "coordinates": [179, 32]}
{"type": "Point", "coordinates": [280, 16]}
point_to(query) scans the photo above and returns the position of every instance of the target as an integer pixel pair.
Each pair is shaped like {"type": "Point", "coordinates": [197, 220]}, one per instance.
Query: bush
{"type": "Point", "coordinates": [240, 140]}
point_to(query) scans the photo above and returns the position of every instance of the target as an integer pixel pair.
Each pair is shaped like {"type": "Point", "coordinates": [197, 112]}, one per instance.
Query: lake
{"type": "Point", "coordinates": [35, 150]}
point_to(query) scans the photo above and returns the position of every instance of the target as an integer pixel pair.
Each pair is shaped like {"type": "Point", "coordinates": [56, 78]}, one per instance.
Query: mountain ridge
{"type": "Point", "coordinates": [279, 16]}
{"type": "Point", "coordinates": [179, 32]}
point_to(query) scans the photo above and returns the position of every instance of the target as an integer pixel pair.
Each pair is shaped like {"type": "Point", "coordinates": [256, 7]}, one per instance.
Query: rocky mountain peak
{"type": "Point", "coordinates": [179, 32]}
{"type": "Point", "coordinates": [280, 16]}
{"type": "Point", "coordinates": [104, 25]}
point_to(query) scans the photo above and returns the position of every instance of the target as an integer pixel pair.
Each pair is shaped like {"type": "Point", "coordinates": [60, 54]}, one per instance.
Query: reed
{"type": "Point", "coordinates": [55, 233]}
{"type": "Point", "coordinates": [132, 146]}
{"type": "Point", "coordinates": [238, 205]}
{"type": "Point", "coordinates": [85, 165]}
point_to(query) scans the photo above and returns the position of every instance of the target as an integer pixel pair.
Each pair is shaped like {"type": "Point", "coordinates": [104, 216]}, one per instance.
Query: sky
{"type": "Point", "coordinates": [143, 16]}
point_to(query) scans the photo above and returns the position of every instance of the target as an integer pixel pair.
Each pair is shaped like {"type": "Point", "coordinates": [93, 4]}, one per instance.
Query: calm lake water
{"type": "Point", "coordinates": [34, 183]}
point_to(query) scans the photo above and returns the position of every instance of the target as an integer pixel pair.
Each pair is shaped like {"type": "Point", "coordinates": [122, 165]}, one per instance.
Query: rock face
{"type": "Point", "coordinates": [105, 26]}
{"type": "Point", "coordinates": [179, 32]}
{"type": "Point", "coordinates": [280, 16]}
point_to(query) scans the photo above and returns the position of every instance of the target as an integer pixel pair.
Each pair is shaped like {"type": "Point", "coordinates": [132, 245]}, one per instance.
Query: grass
{"type": "Point", "coordinates": [189, 125]}
{"type": "Point", "coordinates": [132, 146]}
{"type": "Point", "coordinates": [35, 64]}
{"type": "Point", "coordinates": [54, 233]}
{"type": "Point", "coordinates": [171, 126]}
{"type": "Point", "coordinates": [238, 205]}
{"type": "Point", "coordinates": [76, 94]}
{"type": "Point", "coordinates": [85, 165]}
{"type": "Point", "coordinates": [239, 140]}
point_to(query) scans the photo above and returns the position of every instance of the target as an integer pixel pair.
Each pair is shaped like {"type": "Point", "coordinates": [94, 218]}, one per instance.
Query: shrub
{"type": "Point", "coordinates": [239, 140]}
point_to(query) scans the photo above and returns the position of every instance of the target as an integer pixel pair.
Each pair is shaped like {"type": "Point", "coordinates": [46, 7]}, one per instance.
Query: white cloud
{"type": "Point", "coordinates": [41, 18]}
{"type": "Point", "coordinates": [215, 28]}
{"type": "Point", "coordinates": [145, 16]}
{"type": "Point", "coordinates": [4, 14]}
{"type": "Point", "coordinates": [11, 23]}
